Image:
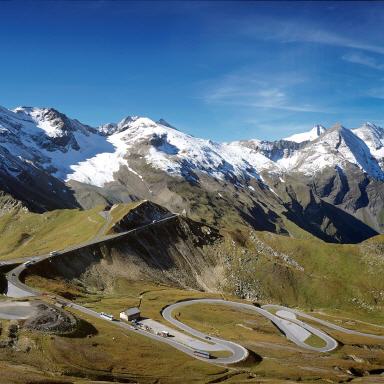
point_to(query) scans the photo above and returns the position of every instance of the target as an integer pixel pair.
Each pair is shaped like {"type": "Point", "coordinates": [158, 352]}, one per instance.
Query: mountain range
{"type": "Point", "coordinates": [327, 181]}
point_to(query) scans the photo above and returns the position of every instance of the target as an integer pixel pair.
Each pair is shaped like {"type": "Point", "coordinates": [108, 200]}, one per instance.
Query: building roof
{"type": "Point", "coordinates": [132, 311]}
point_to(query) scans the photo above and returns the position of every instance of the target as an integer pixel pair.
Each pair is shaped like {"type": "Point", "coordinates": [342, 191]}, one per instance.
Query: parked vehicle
{"type": "Point", "coordinates": [204, 354]}
{"type": "Point", "coordinates": [106, 316]}
{"type": "Point", "coordinates": [54, 253]}
{"type": "Point", "coordinates": [164, 334]}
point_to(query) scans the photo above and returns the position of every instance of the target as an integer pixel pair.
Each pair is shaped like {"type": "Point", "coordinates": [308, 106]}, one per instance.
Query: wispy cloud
{"type": "Point", "coordinates": [287, 31]}
{"type": "Point", "coordinates": [363, 59]}
{"type": "Point", "coordinates": [248, 90]}
{"type": "Point", "coordinates": [377, 93]}
{"type": "Point", "coordinates": [330, 38]}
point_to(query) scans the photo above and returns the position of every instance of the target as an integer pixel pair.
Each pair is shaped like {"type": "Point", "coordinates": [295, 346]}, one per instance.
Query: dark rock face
{"type": "Point", "coordinates": [144, 214]}
{"type": "Point", "coordinates": [355, 193]}
{"type": "Point", "coordinates": [34, 188]}
{"type": "Point", "coordinates": [335, 205]}
{"type": "Point", "coordinates": [329, 223]}
{"type": "Point", "coordinates": [51, 319]}
{"type": "Point", "coordinates": [274, 150]}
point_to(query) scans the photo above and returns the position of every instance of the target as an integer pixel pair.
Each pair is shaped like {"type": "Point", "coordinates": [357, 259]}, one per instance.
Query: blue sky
{"type": "Point", "coordinates": [220, 70]}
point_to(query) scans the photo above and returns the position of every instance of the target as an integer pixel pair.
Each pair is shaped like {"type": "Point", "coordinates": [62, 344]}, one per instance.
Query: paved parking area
{"type": "Point", "coordinates": [299, 332]}
{"type": "Point", "coordinates": [286, 314]}
{"type": "Point", "coordinates": [16, 310]}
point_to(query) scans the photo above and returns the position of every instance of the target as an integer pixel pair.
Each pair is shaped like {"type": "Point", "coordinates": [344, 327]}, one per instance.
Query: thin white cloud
{"type": "Point", "coordinates": [290, 32]}
{"type": "Point", "coordinates": [377, 93]}
{"type": "Point", "coordinates": [329, 38]}
{"type": "Point", "coordinates": [248, 90]}
{"type": "Point", "coordinates": [363, 59]}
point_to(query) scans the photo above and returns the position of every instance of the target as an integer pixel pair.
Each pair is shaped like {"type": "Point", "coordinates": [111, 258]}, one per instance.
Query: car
{"type": "Point", "coordinates": [208, 337]}
{"type": "Point", "coordinates": [54, 253]}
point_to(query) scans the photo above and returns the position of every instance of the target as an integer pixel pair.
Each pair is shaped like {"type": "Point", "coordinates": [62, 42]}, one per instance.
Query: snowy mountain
{"type": "Point", "coordinates": [70, 150]}
{"type": "Point", "coordinates": [142, 158]}
{"type": "Point", "coordinates": [373, 137]}
{"type": "Point", "coordinates": [171, 151]}
{"type": "Point", "coordinates": [311, 135]}
{"type": "Point", "coordinates": [337, 147]}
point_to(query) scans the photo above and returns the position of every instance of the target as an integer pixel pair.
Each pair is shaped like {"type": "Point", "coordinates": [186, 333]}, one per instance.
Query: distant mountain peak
{"type": "Point", "coordinates": [311, 135]}
{"type": "Point", "coordinates": [373, 137]}
{"type": "Point", "coordinates": [165, 123]}
{"type": "Point", "coordinates": [128, 122]}
{"type": "Point", "coordinates": [372, 126]}
{"type": "Point", "coordinates": [319, 129]}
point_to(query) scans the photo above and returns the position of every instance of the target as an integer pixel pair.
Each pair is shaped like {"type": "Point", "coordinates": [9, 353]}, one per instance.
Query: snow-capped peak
{"type": "Point", "coordinates": [373, 136]}
{"type": "Point", "coordinates": [337, 147]}
{"type": "Point", "coordinates": [129, 122]}
{"type": "Point", "coordinates": [311, 135]}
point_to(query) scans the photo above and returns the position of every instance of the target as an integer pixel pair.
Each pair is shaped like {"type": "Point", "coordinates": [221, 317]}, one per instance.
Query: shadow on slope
{"type": "Point", "coordinates": [329, 223]}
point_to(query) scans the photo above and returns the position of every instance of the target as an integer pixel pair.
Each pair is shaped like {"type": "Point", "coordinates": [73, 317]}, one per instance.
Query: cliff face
{"type": "Point", "coordinates": [174, 253]}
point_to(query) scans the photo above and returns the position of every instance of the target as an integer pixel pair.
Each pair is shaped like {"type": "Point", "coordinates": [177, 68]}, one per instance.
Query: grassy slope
{"type": "Point", "coordinates": [333, 275]}
{"type": "Point", "coordinates": [379, 239]}
{"type": "Point", "coordinates": [26, 234]}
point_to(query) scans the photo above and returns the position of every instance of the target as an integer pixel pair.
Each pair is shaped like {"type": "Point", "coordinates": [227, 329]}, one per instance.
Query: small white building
{"type": "Point", "coordinates": [130, 314]}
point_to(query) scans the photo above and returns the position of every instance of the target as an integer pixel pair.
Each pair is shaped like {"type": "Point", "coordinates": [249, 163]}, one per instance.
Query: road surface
{"type": "Point", "coordinates": [16, 310]}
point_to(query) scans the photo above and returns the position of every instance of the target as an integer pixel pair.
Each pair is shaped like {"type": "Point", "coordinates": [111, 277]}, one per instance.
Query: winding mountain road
{"type": "Point", "coordinates": [293, 328]}
{"type": "Point", "coordinates": [322, 322]}
{"type": "Point", "coordinates": [282, 324]}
